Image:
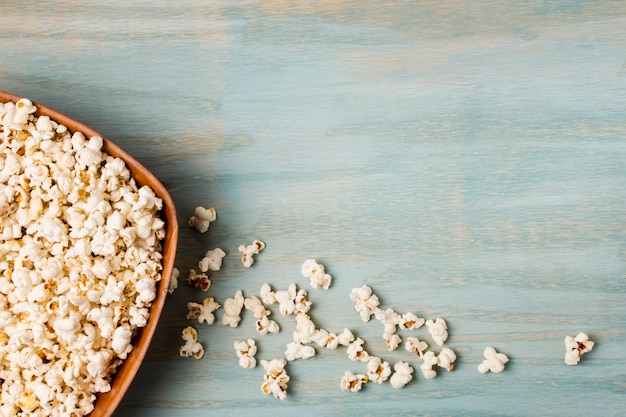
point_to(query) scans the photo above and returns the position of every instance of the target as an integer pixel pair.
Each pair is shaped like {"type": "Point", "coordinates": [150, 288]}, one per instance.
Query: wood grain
{"type": "Point", "coordinates": [464, 160]}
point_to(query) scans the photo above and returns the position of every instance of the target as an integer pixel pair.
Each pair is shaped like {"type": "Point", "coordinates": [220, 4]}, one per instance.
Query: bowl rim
{"type": "Point", "coordinates": [107, 402]}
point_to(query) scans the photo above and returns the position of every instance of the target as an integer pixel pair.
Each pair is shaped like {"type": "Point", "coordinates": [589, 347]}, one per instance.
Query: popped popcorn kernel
{"type": "Point", "coordinates": [191, 348]}
{"type": "Point", "coordinates": [402, 375]}
{"type": "Point", "coordinates": [378, 370]}
{"type": "Point", "coordinates": [366, 303]}
{"type": "Point", "coordinates": [202, 218]}
{"type": "Point", "coordinates": [353, 383]}
{"type": "Point", "coordinates": [246, 351]}
{"type": "Point", "coordinates": [198, 281]}
{"type": "Point", "coordinates": [267, 295]}
{"type": "Point", "coordinates": [204, 312]}
{"type": "Point", "coordinates": [356, 352]}
{"type": "Point", "coordinates": [575, 347]}
{"type": "Point", "coordinates": [275, 377]}
{"type": "Point", "coordinates": [314, 271]}
{"type": "Point", "coordinates": [212, 260]}
{"type": "Point", "coordinates": [438, 329]}
{"type": "Point", "coordinates": [249, 251]}
{"type": "Point", "coordinates": [446, 359]}
{"type": "Point", "coordinates": [232, 310]}
{"type": "Point", "coordinates": [296, 350]}
{"type": "Point", "coordinates": [393, 342]}
{"type": "Point", "coordinates": [494, 361]}
{"type": "Point", "coordinates": [413, 344]}
{"type": "Point", "coordinates": [174, 280]}
{"type": "Point", "coordinates": [429, 360]}
{"type": "Point", "coordinates": [409, 321]}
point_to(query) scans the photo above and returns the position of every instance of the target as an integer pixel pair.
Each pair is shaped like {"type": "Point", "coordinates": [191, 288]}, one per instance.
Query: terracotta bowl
{"type": "Point", "coordinates": [106, 403]}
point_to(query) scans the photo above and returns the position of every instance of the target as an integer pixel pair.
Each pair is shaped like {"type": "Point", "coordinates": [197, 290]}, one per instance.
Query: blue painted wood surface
{"type": "Point", "coordinates": [465, 159]}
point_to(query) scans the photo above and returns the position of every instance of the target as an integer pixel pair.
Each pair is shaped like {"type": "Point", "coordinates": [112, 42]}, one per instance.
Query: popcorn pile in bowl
{"type": "Point", "coordinates": [81, 265]}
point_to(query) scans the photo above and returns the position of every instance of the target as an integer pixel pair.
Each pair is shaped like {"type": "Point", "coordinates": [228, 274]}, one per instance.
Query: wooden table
{"type": "Point", "coordinates": [464, 159]}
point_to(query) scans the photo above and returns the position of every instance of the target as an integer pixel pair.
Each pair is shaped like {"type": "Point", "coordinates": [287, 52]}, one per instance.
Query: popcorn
{"type": "Point", "coordinates": [393, 342]}
{"type": "Point", "coordinates": [191, 347]}
{"type": "Point", "coordinates": [246, 350]}
{"type": "Point", "coordinates": [356, 352]}
{"type": "Point", "coordinates": [575, 347]}
{"type": "Point", "coordinates": [212, 260]}
{"type": "Point", "coordinates": [353, 383]}
{"type": "Point", "coordinates": [390, 319]}
{"type": "Point", "coordinates": [267, 295]}
{"type": "Point", "coordinates": [255, 305]}
{"type": "Point", "coordinates": [403, 374]}
{"type": "Point", "coordinates": [315, 272]}
{"type": "Point", "coordinates": [286, 300]}
{"type": "Point", "coordinates": [377, 370]}
{"type": "Point", "coordinates": [296, 350]}
{"type": "Point", "coordinates": [264, 326]}
{"type": "Point", "coordinates": [276, 378]}
{"type": "Point", "coordinates": [345, 338]}
{"type": "Point", "coordinates": [438, 330]}
{"type": "Point", "coordinates": [409, 321]}
{"type": "Point", "coordinates": [494, 361]}
{"type": "Point", "coordinates": [249, 251]}
{"type": "Point", "coordinates": [203, 312]}
{"type": "Point", "coordinates": [366, 303]}
{"type": "Point", "coordinates": [202, 218]}
{"type": "Point", "coordinates": [174, 280]}
{"type": "Point", "coordinates": [413, 344]}
{"type": "Point", "coordinates": [446, 359]}
{"type": "Point", "coordinates": [198, 281]}
{"type": "Point", "coordinates": [429, 361]}
{"type": "Point", "coordinates": [232, 310]}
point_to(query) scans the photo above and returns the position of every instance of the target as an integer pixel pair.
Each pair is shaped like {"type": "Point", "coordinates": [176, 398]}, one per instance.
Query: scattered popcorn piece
{"type": "Point", "coordinates": [305, 328]}
{"type": "Point", "coordinates": [409, 321]}
{"type": "Point", "coordinates": [494, 361]}
{"type": "Point", "coordinates": [212, 260]}
{"type": "Point", "coordinates": [438, 330]}
{"type": "Point", "coordinates": [286, 300]}
{"type": "Point", "coordinates": [356, 352]}
{"type": "Point", "coordinates": [276, 378]}
{"type": "Point", "coordinates": [267, 295]}
{"type": "Point", "coordinates": [296, 350]}
{"type": "Point", "coordinates": [390, 319]}
{"type": "Point", "coordinates": [413, 344]}
{"type": "Point", "coordinates": [345, 338]}
{"type": "Point", "coordinates": [264, 326]}
{"type": "Point", "coordinates": [202, 218]}
{"type": "Point", "coordinates": [246, 351]}
{"type": "Point", "coordinates": [174, 280]}
{"type": "Point", "coordinates": [446, 359]}
{"type": "Point", "coordinates": [353, 383]}
{"type": "Point", "coordinates": [203, 312]}
{"type": "Point", "coordinates": [315, 272]}
{"type": "Point", "coordinates": [332, 342]}
{"type": "Point", "coordinates": [429, 361]}
{"type": "Point", "coordinates": [403, 374]}
{"type": "Point", "coordinates": [198, 281]}
{"type": "Point", "coordinates": [366, 303]}
{"type": "Point", "coordinates": [393, 342]}
{"type": "Point", "coordinates": [377, 370]}
{"type": "Point", "coordinates": [255, 305]}
{"type": "Point", "coordinates": [249, 251]}
{"type": "Point", "coordinates": [191, 347]}
{"type": "Point", "coordinates": [232, 310]}
{"type": "Point", "coordinates": [575, 347]}
{"type": "Point", "coordinates": [301, 304]}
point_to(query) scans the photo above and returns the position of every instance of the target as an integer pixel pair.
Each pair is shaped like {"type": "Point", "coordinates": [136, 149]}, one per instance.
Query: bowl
{"type": "Point", "coordinates": [106, 403]}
